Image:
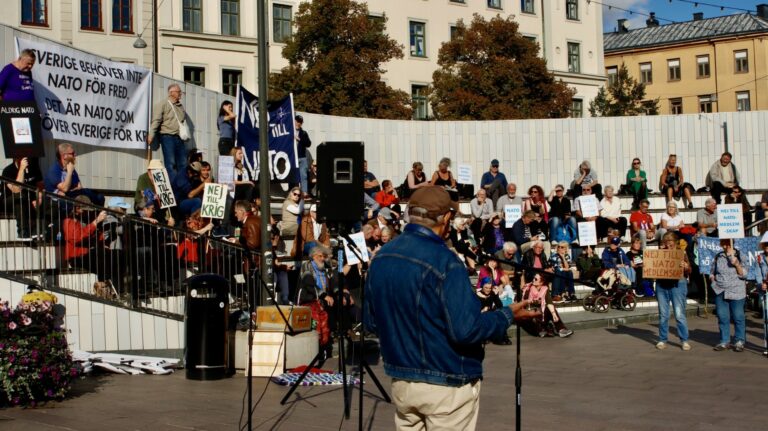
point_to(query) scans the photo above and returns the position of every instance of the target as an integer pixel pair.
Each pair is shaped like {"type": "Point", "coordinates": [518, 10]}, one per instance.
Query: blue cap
{"type": "Point", "coordinates": [616, 240]}
{"type": "Point", "coordinates": [495, 163]}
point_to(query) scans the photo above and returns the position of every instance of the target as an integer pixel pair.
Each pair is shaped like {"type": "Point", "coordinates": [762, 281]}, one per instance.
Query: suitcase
{"type": "Point", "coordinates": [300, 318]}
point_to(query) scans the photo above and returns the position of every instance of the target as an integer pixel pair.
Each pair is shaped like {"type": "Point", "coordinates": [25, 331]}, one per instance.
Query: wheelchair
{"type": "Point", "coordinates": [614, 290]}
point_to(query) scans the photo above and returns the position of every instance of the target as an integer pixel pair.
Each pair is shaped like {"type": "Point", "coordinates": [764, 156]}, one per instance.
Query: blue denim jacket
{"type": "Point", "coordinates": [421, 304]}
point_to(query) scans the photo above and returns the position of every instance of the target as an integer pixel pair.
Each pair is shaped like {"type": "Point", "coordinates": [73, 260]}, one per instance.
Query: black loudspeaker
{"type": "Point", "coordinates": [340, 181]}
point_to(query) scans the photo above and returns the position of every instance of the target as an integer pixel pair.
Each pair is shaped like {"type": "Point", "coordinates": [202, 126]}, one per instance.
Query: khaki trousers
{"type": "Point", "coordinates": [424, 406]}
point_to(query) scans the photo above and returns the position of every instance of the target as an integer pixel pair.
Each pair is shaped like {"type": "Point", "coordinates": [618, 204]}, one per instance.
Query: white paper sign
{"type": "Point", "coordinates": [163, 188]}
{"type": "Point", "coordinates": [359, 240]}
{"type": "Point", "coordinates": [512, 213]}
{"type": "Point", "coordinates": [214, 201]}
{"type": "Point", "coordinates": [85, 98]}
{"type": "Point", "coordinates": [730, 221]}
{"type": "Point", "coordinates": [22, 130]}
{"type": "Point", "coordinates": [587, 233]}
{"type": "Point", "coordinates": [227, 171]}
{"type": "Point", "coordinates": [589, 206]}
{"type": "Point", "coordinates": [464, 175]}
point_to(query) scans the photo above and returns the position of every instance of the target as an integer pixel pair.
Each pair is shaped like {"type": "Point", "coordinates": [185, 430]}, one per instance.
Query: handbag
{"type": "Point", "coordinates": [183, 128]}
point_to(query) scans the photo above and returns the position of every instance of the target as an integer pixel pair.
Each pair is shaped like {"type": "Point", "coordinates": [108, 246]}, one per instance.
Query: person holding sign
{"type": "Point", "coordinates": [728, 283]}
{"type": "Point", "coordinates": [145, 185]}
{"type": "Point", "coordinates": [706, 219]}
{"type": "Point", "coordinates": [737, 196]}
{"type": "Point", "coordinates": [188, 188]}
{"type": "Point", "coordinates": [674, 291]}
{"type": "Point", "coordinates": [169, 125]}
{"type": "Point", "coordinates": [16, 83]}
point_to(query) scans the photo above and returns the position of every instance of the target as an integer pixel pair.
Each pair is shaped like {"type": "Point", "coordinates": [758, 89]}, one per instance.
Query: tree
{"type": "Point", "coordinates": [335, 63]}
{"type": "Point", "coordinates": [622, 97]}
{"type": "Point", "coordinates": [489, 71]}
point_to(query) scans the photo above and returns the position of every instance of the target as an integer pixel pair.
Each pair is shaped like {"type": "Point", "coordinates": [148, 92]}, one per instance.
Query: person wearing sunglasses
{"type": "Point", "coordinates": [739, 196]}
{"type": "Point", "coordinates": [290, 212]}
{"type": "Point", "coordinates": [637, 183]}
{"type": "Point", "coordinates": [538, 295]}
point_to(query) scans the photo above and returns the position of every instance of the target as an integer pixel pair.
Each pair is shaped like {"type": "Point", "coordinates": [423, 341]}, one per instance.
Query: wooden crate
{"type": "Point", "coordinates": [274, 351]}
{"type": "Point", "coordinates": [267, 317]}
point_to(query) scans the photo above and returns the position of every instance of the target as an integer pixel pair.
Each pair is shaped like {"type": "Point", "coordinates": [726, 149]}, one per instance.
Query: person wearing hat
{"type": "Point", "coordinates": [429, 322]}
{"type": "Point", "coordinates": [494, 182]}
{"type": "Point", "coordinates": [145, 185]}
{"type": "Point", "coordinates": [614, 257]}
{"type": "Point", "coordinates": [303, 142]}
{"type": "Point", "coordinates": [188, 188]}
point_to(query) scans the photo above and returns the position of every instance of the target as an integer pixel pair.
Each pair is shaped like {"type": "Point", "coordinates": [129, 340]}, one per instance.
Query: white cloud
{"type": "Point", "coordinates": [611, 16]}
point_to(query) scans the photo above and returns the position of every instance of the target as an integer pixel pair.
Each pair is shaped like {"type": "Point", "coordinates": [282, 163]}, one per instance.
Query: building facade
{"type": "Point", "coordinates": [212, 43]}
{"type": "Point", "coordinates": [699, 66]}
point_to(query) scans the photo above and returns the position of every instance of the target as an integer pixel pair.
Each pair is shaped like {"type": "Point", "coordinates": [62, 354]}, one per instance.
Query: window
{"type": "Point", "coordinates": [531, 39]}
{"type": "Point", "coordinates": [230, 17]}
{"type": "Point", "coordinates": [742, 62]}
{"type": "Point", "coordinates": [705, 104]}
{"type": "Point", "coordinates": [454, 32]}
{"type": "Point", "coordinates": [612, 74]}
{"type": "Point", "coordinates": [649, 107]}
{"type": "Point", "coordinates": [526, 6]}
{"type": "Point", "coordinates": [229, 81]}
{"type": "Point", "coordinates": [194, 75]}
{"type": "Point", "coordinates": [646, 73]}
{"type": "Point", "coordinates": [702, 66]}
{"type": "Point", "coordinates": [577, 108]}
{"type": "Point", "coordinates": [377, 19]}
{"type": "Point", "coordinates": [34, 12]}
{"type": "Point", "coordinates": [676, 106]}
{"type": "Point", "coordinates": [281, 22]}
{"type": "Point", "coordinates": [419, 102]}
{"type": "Point", "coordinates": [574, 58]}
{"type": "Point", "coordinates": [122, 16]}
{"type": "Point", "coordinates": [90, 15]}
{"type": "Point", "coordinates": [572, 9]}
{"type": "Point", "coordinates": [674, 69]}
{"type": "Point", "coordinates": [742, 101]}
{"type": "Point", "coordinates": [494, 4]}
{"type": "Point", "coordinates": [417, 32]}
{"type": "Point", "coordinates": [457, 1]}
{"type": "Point", "coordinates": [192, 15]}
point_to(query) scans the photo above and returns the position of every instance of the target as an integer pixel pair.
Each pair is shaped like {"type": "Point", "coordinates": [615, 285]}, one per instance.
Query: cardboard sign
{"type": "Point", "coordinates": [512, 213]}
{"type": "Point", "coordinates": [359, 240]}
{"type": "Point", "coordinates": [663, 264]}
{"type": "Point", "coordinates": [730, 221]}
{"type": "Point", "coordinates": [163, 188]}
{"type": "Point", "coordinates": [464, 174]}
{"type": "Point", "coordinates": [214, 201]}
{"type": "Point", "coordinates": [587, 233]}
{"type": "Point", "coordinates": [227, 171]}
{"type": "Point", "coordinates": [21, 129]}
{"type": "Point", "coordinates": [589, 206]}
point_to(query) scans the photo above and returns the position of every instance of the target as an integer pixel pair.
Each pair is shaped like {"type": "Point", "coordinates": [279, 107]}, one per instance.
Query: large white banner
{"type": "Point", "coordinates": [84, 98]}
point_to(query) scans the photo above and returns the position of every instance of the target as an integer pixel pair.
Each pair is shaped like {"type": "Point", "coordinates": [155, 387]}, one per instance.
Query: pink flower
{"type": "Point", "coordinates": [12, 325]}
{"type": "Point", "coordinates": [26, 320]}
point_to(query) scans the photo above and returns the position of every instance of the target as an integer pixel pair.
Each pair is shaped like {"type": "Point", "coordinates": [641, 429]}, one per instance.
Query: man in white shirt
{"type": "Point", "coordinates": [510, 198]}
{"type": "Point", "coordinates": [610, 215]}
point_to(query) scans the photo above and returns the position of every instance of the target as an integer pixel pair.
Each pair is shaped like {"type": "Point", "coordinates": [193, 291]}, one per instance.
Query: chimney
{"type": "Point", "coordinates": [623, 26]}
{"type": "Point", "coordinates": [652, 21]}
{"type": "Point", "coordinates": [762, 11]}
{"type": "Point", "coordinates": [698, 16]}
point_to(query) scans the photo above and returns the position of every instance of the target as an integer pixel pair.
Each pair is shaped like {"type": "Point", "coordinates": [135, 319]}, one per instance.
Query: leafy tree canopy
{"type": "Point", "coordinates": [489, 71]}
{"type": "Point", "coordinates": [622, 97]}
{"type": "Point", "coordinates": [335, 63]}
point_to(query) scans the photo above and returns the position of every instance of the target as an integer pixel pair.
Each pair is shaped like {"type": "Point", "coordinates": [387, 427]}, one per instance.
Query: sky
{"type": "Point", "coordinates": [666, 10]}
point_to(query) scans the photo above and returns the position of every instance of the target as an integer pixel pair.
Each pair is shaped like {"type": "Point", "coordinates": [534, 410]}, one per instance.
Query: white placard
{"type": "Point", "coordinates": [214, 201]}
{"type": "Point", "coordinates": [589, 206]}
{"type": "Point", "coordinates": [464, 174]}
{"type": "Point", "coordinates": [587, 233]}
{"type": "Point", "coordinates": [163, 187]}
{"type": "Point", "coordinates": [87, 99]}
{"type": "Point", "coordinates": [730, 221]}
{"type": "Point", "coordinates": [22, 130]}
{"type": "Point", "coordinates": [359, 240]}
{"type": "Point", "coordinates": [227, 171]}
{"type": "Point", "coordinates": [512, 213]}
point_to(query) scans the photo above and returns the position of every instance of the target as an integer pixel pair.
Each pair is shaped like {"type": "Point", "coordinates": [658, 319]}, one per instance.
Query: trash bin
{"type": "Point", "coordinates": [205, 327]}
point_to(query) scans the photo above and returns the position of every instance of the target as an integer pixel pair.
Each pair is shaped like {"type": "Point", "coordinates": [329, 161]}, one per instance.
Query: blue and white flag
{"type": "Point", "coordinates": [283, 156]}
{"type": "Point", "coordinates": [748, 248]}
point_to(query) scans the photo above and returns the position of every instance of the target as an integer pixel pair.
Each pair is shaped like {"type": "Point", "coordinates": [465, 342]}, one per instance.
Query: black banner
{"type": "Point", "coordinates": [20, 124]}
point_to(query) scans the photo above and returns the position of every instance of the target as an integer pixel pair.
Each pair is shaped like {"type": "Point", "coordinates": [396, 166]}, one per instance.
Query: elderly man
{"type": "Point", "coordinates": [62, 177]}
{"type": "Point", "coordinates": [16, 83]}
{"type": "Point", "coordinates": [434, 356]}
{"type": "Point", "coordinates": [722, 177]}
{"type": "Point", "coordinates": [169, 125]}
{"type": "Point", "coordinates": [642, 224]}
{"type": "Point", "coordinates": [706, 219]}
{"type": "Point", "coordinates": [510, 198]}
{"type": "Point", "coordinates": [494, 182]}
{"type": "Point", "coordinates": [482, 209]}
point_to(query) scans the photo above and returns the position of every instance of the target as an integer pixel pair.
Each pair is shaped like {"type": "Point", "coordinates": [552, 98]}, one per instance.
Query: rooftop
{"type": "Point", "coordinates": [703, 29]}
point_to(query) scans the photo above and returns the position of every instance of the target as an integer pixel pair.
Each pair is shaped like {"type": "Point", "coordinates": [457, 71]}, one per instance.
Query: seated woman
{"type": "Point", "coordinates": [464, 243]}
{"type": "Point", "coordinates": [672, 184]}
{"type": "Point", "coordinates": [415, 179]}
{"type": "Point", "coordinates": [537, 295]}
{"type": "Point", "coordinates": [493, 235]}
{"type": "Point", "coordinates": [615, 258]}
{"type": "Point", "coordinates": [443, 177]}
{"type": "Point", "coordinates": [563, 288]}
{"type": "Point", "coordinates": [537, 203]}
{"type": "Point", "coordinates": [535, 258]}
{"type": "Point", "coordinates": [637, 182]}
{"type": "Point", "coordinates": [290, 212]}
{"type": "Point", "coordinates": [492, 272]}
{"type": "Point", "coordinates": [672, 221]}
{"type": "Point", "coordinates": [490, 301]}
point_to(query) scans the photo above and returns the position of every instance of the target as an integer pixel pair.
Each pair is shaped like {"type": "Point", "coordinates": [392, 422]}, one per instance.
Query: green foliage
{"type": "Point", "coordinates": [335, 63]}
{"type": "Point", "coordinates": [489, 71]}
{"type": "Point", "coordinates": [623, 97]}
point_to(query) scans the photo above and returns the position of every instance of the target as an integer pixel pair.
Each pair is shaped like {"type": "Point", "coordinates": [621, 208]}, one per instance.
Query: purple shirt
{"type": "Point", "coordinates": [15, 85]}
